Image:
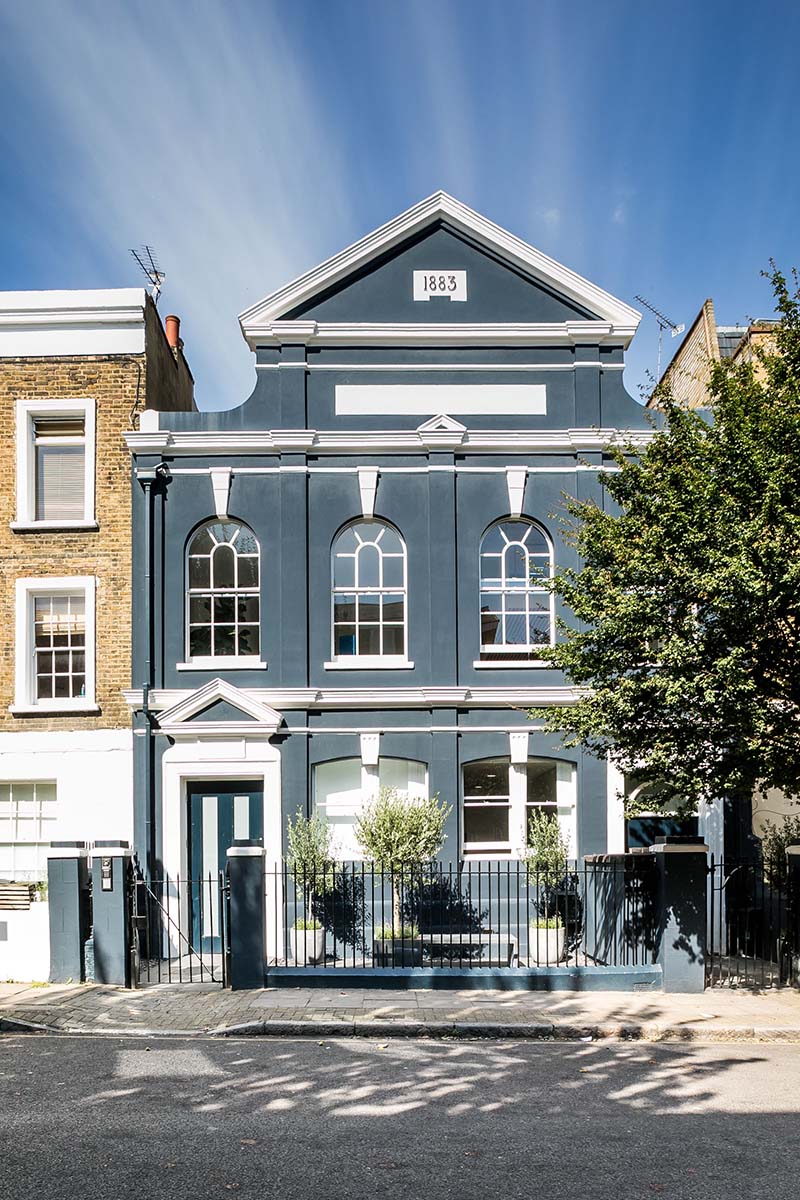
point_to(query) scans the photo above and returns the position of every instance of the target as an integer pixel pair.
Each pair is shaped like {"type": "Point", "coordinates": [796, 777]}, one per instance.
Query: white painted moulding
{"type": "Point", "coordinates": [420, 399]}
{"type": "Point", "coordinates": [385, 441]}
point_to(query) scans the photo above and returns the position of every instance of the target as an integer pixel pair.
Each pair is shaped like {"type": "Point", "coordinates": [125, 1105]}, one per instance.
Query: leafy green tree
{"type": "Point", "coordinates": [774, 842]}
{"type": "Point", "coordinates": [398, 834]}
{"type": "Point", "coordinates": [309, 855]}
{"type": "Point", "coordinates": [547, 852]}
{"type": "Point", "coordinates": [686, 645]}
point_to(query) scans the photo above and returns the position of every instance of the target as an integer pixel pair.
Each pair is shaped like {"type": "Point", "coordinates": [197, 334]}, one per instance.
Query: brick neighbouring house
{"type": "Point", "coordinates": [76, 369]}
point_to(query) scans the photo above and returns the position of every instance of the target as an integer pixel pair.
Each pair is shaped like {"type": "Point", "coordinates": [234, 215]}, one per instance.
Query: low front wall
{"type": "Point", "coordinates": [25, 945]}
{"type": "Point", "coordinates": [508, 979]}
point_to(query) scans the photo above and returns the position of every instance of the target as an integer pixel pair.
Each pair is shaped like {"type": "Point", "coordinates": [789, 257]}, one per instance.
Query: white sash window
{"type": "Point", "coordinates": [516, 608]}
{"type": "Point", "coordinates": [55, 464]}
{"type": "Point", "coordinates": [369, 596]}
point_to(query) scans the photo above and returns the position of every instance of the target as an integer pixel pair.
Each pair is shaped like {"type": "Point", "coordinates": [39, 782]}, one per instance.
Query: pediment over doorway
{"type": "Point", "coordinates": [219, 709]}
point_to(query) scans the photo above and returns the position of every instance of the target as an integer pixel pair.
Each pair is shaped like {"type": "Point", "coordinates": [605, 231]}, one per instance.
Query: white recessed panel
{"type": "Point", "coordinates": [241, 817]}
{"type": "Point", "coordinates": [428, 399]}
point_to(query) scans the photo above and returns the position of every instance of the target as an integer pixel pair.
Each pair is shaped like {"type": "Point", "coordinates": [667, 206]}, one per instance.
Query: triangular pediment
{"type": "Point", "coordinates": [317, 296]}
{"type": "Point", "coordinates": [442, 424]}
{"type": "Point", "coordinates": [219, 708]}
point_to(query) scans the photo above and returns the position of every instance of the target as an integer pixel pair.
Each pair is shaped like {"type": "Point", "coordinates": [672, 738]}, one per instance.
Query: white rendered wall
{"type": "Point", "coordinates": [25, 949]}
{"type": "Point", "coordinates": [93, 773]}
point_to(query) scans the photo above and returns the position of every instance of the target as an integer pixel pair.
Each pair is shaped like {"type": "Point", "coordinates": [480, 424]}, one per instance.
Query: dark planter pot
{"type": "Point", "coordinates": [397, 952]}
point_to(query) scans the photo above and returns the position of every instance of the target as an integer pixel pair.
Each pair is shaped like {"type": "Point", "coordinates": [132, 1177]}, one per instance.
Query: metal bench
{"type": "Point", "coordinates": [493, 949]}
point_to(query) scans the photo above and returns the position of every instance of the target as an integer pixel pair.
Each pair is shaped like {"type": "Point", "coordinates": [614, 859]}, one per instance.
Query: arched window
{"type": "Point", "coordinates": [369, 592]}
{"type": "Point", "coordinates": [223, 592]}
{"type": "Point", "coordinates": [499, 798]}
{"type": "Point", "coordinates": [344, 786]}
{"type": "Point", "coordinates": [516, 606]}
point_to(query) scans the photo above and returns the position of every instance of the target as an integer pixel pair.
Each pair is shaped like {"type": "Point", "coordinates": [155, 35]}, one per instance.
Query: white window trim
{"type": "Point", "coordinates": [517, 648]}
{"type": "Point", "coordinates": [26, 464]}
{"type": "Point", "coordinates": [209, 663]}
{"type": "Point", "coordinates": [519, 663]}
{"type": "Point", "coordinates": [24, 874]}
{"type": "Point", "coordinates": [369, 662]}
{"type": "Point", "coordinates": [565, 808]}
{"type": "Point", "coordinates": [213, 662]}
{"type": "Point", "coordinates": [26, 589]}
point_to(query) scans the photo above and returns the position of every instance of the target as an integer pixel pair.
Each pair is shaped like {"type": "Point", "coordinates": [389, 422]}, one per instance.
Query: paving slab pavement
{"type": "Point", "coordinates": [202, 1008]}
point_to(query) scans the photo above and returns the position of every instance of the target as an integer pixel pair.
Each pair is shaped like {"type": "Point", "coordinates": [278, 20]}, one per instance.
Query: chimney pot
{"type": "Point", "coordinates": [172, 328]}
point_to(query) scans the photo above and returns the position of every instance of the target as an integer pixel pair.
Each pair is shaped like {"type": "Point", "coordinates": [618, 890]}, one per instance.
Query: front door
{"type": "Point", "coordinates": [219, 812]}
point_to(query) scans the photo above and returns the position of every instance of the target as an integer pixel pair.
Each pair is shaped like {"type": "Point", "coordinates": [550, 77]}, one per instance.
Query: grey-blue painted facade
{"type": "Point", "coordinates": [441, 509]}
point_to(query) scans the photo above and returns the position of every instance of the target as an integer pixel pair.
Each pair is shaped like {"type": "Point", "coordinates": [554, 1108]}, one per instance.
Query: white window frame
{"type": "Point", "coordinates": [27, 412]}
{"type": "Point", "coordinates": [19, 873]}
{"type": "Point", "coordinates": [25, 701]}
{"type": "Point", "coordinates": [565, 808]}
{"type": "Point", "coordinates": [518, 654]}
{"type": "Point", "coordinates": [368, 662]}
{"type": "Point", "coordinates": [210, 662]}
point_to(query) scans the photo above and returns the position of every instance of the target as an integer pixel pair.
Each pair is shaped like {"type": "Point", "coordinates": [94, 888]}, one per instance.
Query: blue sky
{"type": "Point", "coordinates": [653, 149]}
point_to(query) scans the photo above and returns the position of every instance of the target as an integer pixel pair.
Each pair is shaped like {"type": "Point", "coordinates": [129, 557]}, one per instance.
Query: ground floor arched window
{"type": "Point", "coordinates": [344, 785]}
{"type": "Point", "coordinates": [498, 797]}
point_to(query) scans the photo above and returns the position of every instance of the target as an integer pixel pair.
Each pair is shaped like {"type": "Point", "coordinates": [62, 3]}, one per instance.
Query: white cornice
{"type": "Point", "coordinates": [541, 333]}
{"type": "Point", "coordinates": [257, 319]}
{"type": "Point", "coordinates": [57, 324]}
{"type": "Point", "coordinates": [380, 441]}
{"type": "Point", "coordinates": [352, 698]}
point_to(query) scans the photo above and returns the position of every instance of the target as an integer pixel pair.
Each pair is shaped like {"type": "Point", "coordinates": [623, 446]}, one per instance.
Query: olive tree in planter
{"type": "Point", "coordinates": [310, 862]}
{"type": "Point", "coordinates": [400, 835]}
{"type": "Point", "coordinates": [546, 860]}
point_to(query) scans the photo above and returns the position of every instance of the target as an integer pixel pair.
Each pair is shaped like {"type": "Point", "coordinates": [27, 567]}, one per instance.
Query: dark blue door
{"type": "Point", "coordinates": [219, 812]}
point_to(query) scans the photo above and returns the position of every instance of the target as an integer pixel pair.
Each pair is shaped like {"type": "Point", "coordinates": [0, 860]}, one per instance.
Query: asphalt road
{"type": "Point", "coordinates": [115, 1118]}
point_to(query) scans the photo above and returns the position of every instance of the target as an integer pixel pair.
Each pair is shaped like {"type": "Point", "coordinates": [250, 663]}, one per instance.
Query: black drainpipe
{"type": "Point", "coordinates": [150, 479]}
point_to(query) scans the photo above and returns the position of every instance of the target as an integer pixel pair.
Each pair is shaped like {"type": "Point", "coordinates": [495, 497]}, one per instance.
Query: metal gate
{"type": "Point", "coordinates": [179, 929]}
{"type": "Point", "coordinates": [752, 924]}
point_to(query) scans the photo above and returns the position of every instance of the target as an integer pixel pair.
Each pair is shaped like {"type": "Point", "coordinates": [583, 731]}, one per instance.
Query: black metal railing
{"type": "Point", "coordinates": [475, 914]}
{"type": "Point", "coordinates": [751, 923]}
{"type": "Point", "coordinates": [179, 929]}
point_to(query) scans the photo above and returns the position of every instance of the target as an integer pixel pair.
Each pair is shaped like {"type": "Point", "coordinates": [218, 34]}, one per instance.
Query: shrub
{"type": "Point", "coordinates": [385, 933]}
{"type": "Point", "coordinates": [774, 842]}
{"type": "Point", "coordinates": [547, 849]}
{"type": "Point", "coordinates": [309, 857]}
{"type": "Point", "coordinates": [307, 923]}
{"type": "Point", "coordinates": [547, 923]}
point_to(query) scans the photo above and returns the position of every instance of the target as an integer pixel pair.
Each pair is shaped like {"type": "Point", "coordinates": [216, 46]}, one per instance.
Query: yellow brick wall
{"type": "Point", "coordinates": [689, 372]}
{"type": "Point", "coordinates": [116, 384]}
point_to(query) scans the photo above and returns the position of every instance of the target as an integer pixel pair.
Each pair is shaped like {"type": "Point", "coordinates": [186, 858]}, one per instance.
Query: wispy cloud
{"type": "Point", "coordinates": [620, 214]}
{"type": "Point", "coordinates": [551, 217]}
{"type": "Point", "coordinates": [200, 134]}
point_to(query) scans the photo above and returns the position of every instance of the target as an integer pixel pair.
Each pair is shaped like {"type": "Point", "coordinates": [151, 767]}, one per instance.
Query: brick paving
{"type": "Point", "coordinates": [201, 1008]}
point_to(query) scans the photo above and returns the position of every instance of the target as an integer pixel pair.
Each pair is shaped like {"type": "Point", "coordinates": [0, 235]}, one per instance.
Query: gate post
{"type": "Point", "coordinates": [793, 910]}
{"type": "Point", "coordinates": [111, 912]}
{"type": "Point", "coordinates": [681, 917]}
{"type": "Point", "coordinates": [68, 902]}
{"type": "Point", "coordinates": [247, 933]}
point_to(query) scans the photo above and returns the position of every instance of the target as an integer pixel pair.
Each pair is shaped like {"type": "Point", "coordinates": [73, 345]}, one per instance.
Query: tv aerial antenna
{"type": "Point", "coordinates": [663, 323]}
{"type": "Point", "coordinates": [148, 263]}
